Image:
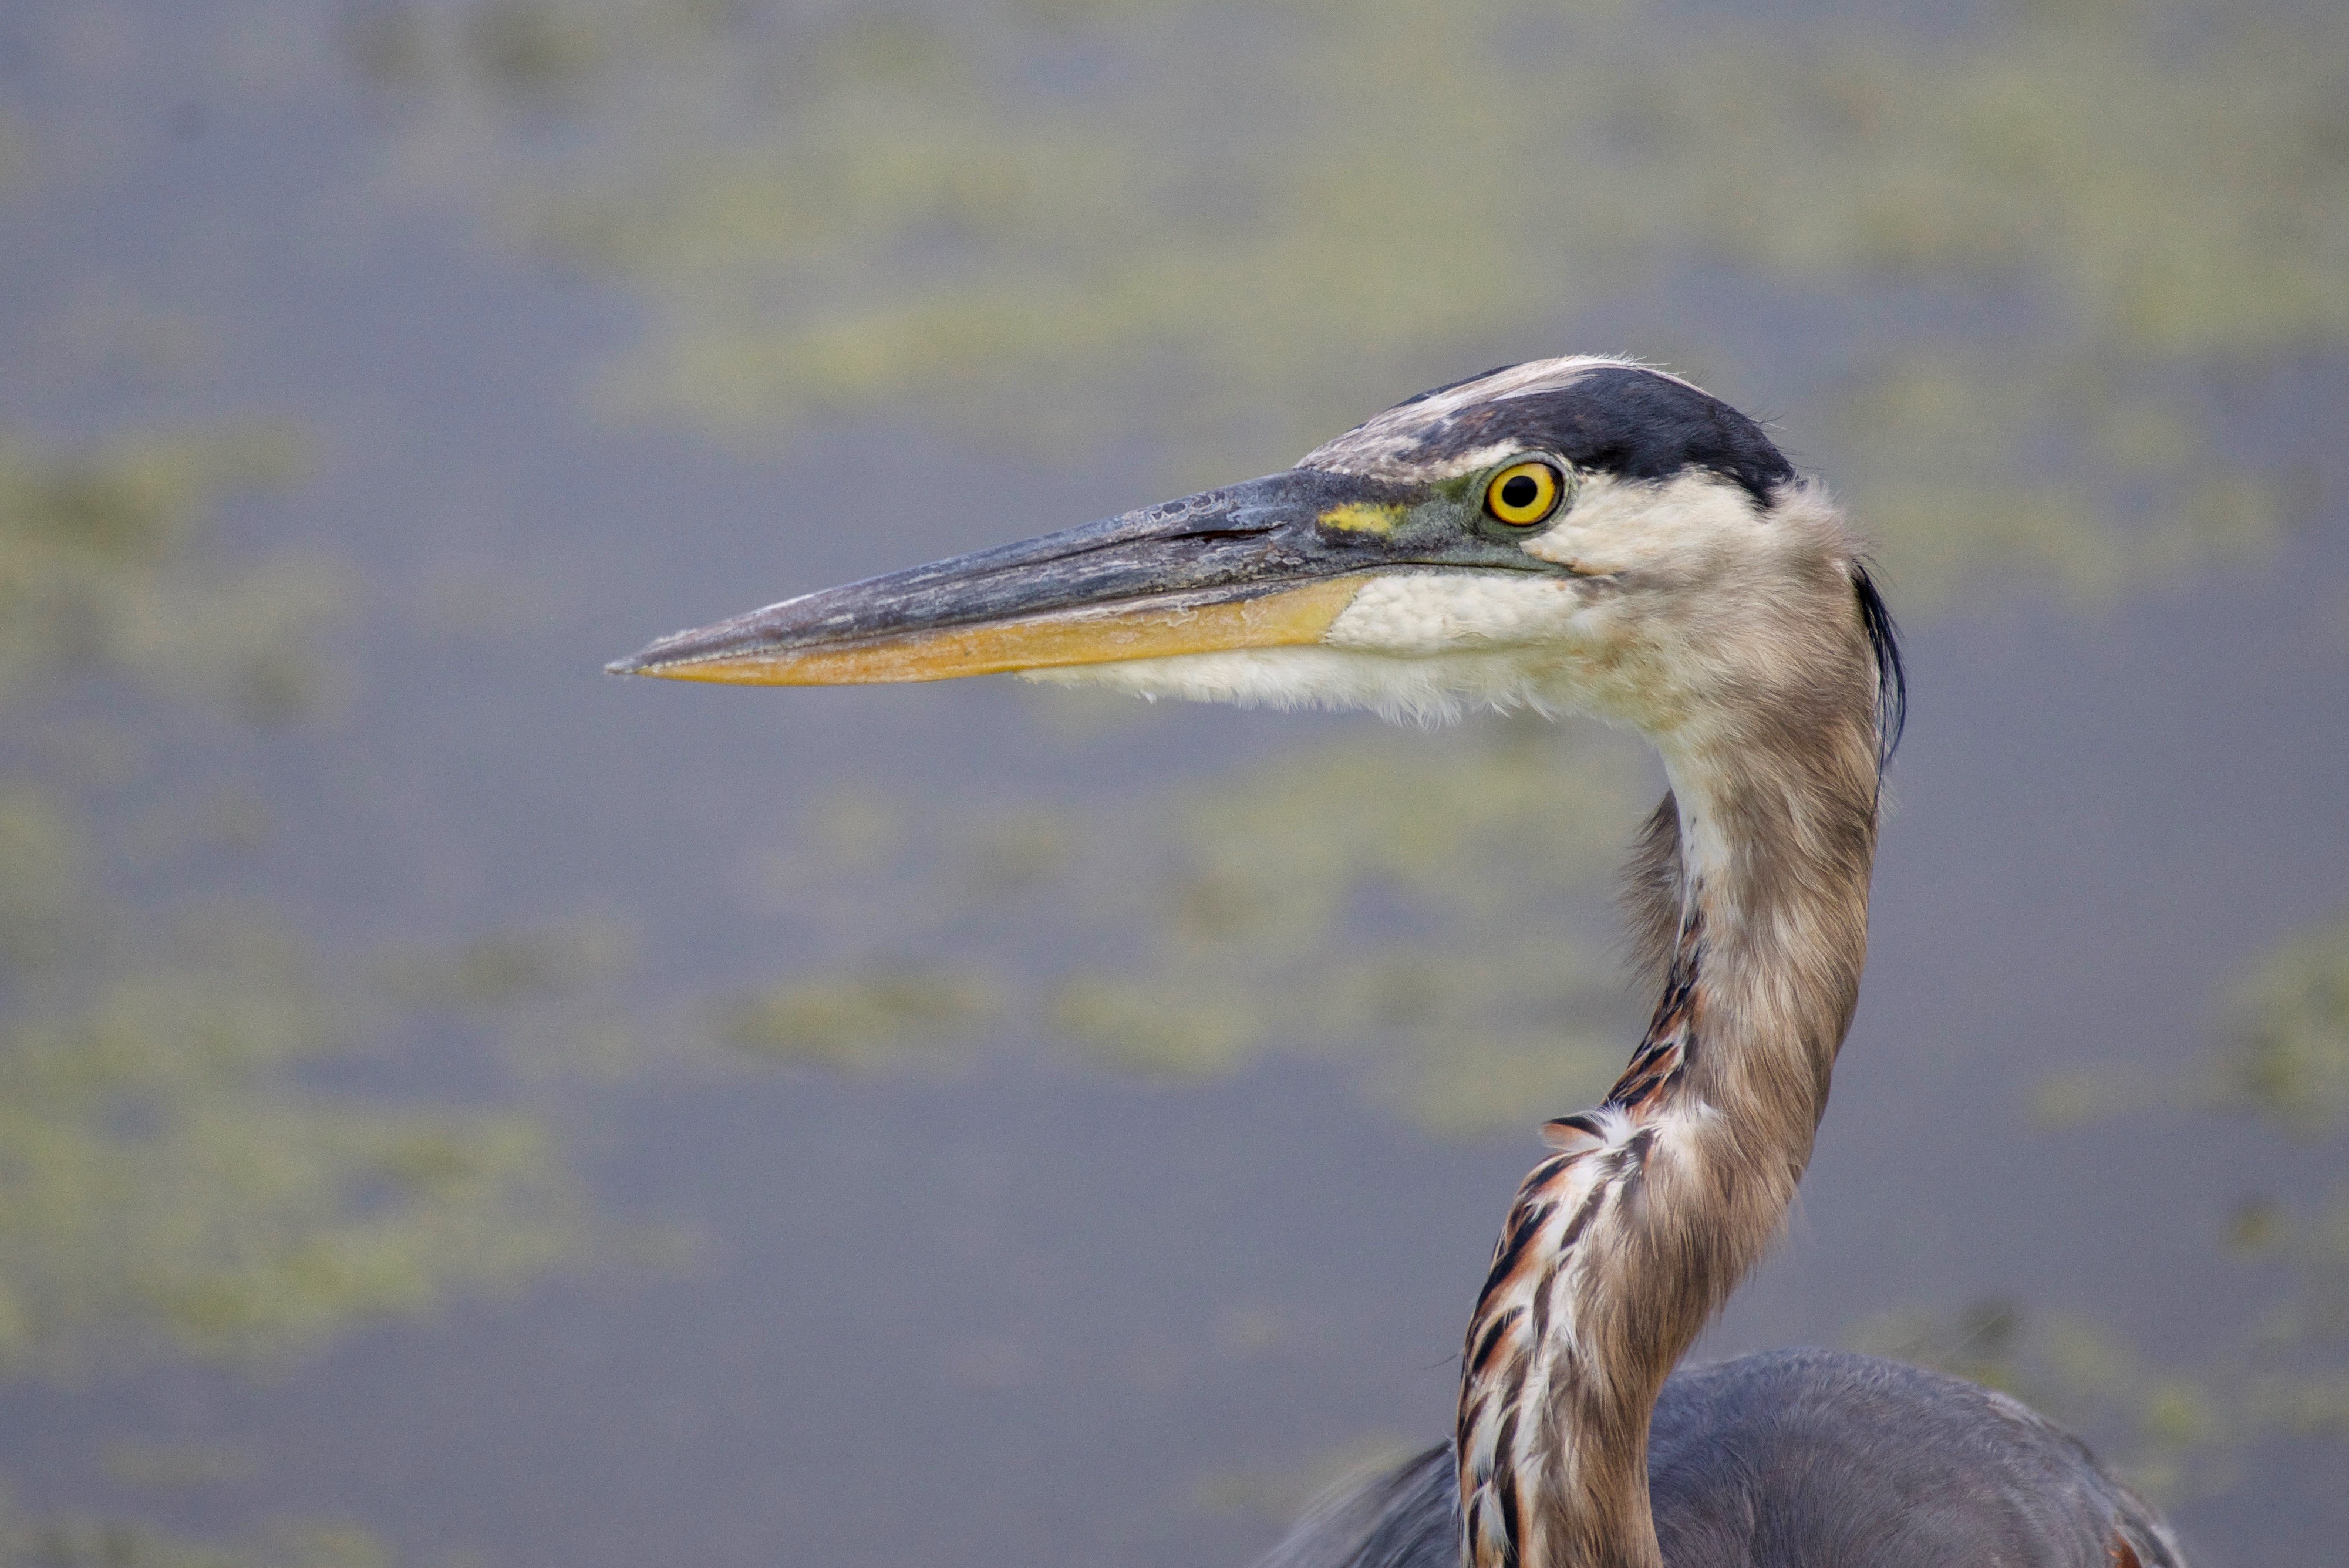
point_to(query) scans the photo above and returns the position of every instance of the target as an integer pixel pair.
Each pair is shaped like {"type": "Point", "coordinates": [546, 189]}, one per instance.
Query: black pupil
{"type": "Point", "coordinates": [1517, 492]}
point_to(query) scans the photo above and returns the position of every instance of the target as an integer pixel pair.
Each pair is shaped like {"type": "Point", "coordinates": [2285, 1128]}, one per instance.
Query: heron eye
{"type": "Point", "coordinates": [1523, 494]}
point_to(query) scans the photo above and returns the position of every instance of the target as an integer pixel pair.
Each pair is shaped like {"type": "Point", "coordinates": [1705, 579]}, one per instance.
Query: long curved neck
{"type": "Point", "coordinates": [1749, 895]}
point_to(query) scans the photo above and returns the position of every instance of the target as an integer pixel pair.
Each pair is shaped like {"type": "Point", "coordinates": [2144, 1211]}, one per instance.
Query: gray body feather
{"type": "Point", "coordinates": [1806, 1458]}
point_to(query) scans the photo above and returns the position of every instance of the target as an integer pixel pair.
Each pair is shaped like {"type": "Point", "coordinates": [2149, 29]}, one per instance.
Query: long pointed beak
{"type": "Point", "coordinates": [1269, 564]}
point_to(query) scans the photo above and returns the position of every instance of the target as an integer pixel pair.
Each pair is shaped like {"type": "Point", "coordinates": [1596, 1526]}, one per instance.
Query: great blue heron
{"type": "Point", "coordinates": [1573, 535]}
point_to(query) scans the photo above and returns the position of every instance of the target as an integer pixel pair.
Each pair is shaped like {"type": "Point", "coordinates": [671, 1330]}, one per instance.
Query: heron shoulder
{"type": "Point", "coordinates": [1821, 1456]}
{"type": "Point", "coordinates": [1804, 1458]}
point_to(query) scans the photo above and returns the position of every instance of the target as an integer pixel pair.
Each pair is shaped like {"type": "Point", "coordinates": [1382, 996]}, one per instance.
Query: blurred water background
{"type": "Point", "coordinates": [457, 1108]}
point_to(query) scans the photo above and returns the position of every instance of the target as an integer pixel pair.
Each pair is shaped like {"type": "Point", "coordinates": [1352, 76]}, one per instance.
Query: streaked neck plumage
{"type": "Point", "coordinates": [1748, 898]}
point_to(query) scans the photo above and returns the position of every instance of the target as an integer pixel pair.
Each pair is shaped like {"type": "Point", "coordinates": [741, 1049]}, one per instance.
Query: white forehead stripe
{"type": "Point", "coordinates": [1377, 444]}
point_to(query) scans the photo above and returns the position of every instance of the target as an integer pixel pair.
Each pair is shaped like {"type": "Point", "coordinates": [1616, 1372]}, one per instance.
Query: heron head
{"type": "Point", "coordinates": [1570, 535]}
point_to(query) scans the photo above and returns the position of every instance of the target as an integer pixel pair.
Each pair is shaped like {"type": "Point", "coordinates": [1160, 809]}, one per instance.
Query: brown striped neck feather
{"type": "Point", "coordinates": [1748, 897]}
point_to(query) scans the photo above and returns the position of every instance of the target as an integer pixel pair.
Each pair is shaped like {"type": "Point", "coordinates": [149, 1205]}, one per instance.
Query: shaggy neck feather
{"type": "Point", "coordinates": [1748, 899]}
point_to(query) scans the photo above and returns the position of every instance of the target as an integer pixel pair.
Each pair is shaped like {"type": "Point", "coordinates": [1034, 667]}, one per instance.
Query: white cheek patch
{"type": "Point", "coordinates": [1417, 614]}
{"type": "Point", "coordinates": [1420, 647]}
{"type": "Point", "coordinates": [1425, 691]}
{"type": "Point", "coordinates": [1613, 526]}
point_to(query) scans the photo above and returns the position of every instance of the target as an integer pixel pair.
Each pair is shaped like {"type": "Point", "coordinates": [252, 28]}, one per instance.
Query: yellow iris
{"type": "Point", "coordinates": [1523, 493]}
